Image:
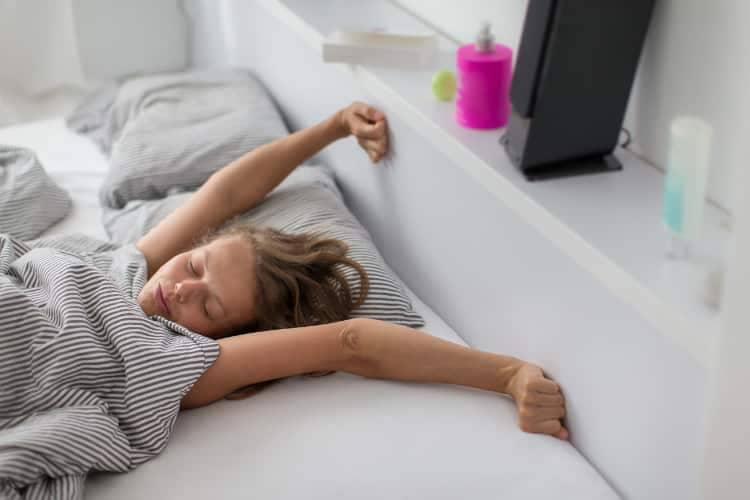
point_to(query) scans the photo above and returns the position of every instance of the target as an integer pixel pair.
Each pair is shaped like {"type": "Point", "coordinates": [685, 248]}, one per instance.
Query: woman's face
{"type": "Point", "coordinates": [209, 289]}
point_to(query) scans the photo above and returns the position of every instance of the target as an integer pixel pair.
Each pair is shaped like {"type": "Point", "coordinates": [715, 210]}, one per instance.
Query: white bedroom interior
{"type": "Point", "coordinates": [653, 373]}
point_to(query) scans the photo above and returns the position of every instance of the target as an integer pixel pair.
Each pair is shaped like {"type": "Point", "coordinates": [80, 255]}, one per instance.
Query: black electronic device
{"type": "Point", "coordinates": [574, 72]}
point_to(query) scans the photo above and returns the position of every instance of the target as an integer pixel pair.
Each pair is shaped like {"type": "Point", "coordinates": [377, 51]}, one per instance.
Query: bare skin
{"type": "Point", "coordinates": [207, 289]}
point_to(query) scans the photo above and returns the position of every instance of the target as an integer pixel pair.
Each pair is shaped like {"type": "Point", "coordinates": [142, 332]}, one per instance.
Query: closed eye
{"type": "Point", "coordinates": [193, 271]}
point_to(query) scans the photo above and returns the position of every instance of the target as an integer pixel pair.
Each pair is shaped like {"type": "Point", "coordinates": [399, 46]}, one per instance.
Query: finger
{"type": "Point", "coordinates": [544, 386]}
{"type": "Point", "coordinates": [373, 156]}
{"type": "Point", "coordinates": [551, 427]}
{"type": "Point", "coordinates": [368, 112]}
{"type": "Point", "coordinates": [545, 400]}
{"type": "Point", "coordinates": [365, 130]}
{"type": "Point", "coordinates": [542, 414]}
{"type": "Point", "coordinates": [562, 434]}
{"type": "Point", "coordinates": [378, 146]}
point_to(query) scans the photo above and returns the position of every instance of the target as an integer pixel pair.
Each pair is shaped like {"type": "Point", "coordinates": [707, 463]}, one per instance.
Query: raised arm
{"type": "Point", "coordinates": [377, 349]}
{"type": "Point", "coordinates": [245, 182]}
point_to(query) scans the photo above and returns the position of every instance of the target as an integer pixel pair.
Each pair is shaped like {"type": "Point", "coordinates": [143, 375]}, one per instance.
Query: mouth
{"type": "Point", "coordinates": [159, 295]}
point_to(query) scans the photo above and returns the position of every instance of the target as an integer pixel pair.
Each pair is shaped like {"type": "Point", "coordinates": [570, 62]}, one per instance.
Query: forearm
{"type": "Point", "coordinates": [257, 357]}
{"type": "Point", "coordinates": [247, 180]}
{"type": "Point", "coordinates": [389, 351]}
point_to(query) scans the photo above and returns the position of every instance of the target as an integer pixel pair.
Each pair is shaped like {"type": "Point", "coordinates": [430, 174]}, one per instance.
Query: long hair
{"type": "Point", "coordinates": [301, 280]}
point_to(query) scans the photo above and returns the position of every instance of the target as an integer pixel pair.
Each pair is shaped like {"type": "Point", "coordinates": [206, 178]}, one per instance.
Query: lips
{"type": "Point", "coordinates": [161, 301]}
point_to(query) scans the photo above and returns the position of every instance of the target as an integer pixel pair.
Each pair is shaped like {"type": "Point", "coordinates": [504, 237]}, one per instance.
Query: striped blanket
{"type": "Point", "coordinates": [30, 201]}
{"type": "Point", "coordinates": [87, 380]}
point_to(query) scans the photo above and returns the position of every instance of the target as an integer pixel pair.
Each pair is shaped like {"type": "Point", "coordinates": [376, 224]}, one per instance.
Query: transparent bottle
{"type": "Point", "coordinates": [685, 183]}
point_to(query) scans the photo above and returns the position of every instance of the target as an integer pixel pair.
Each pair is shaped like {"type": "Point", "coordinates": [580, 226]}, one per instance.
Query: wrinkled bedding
{"type": "Point", "coordinates": [89, 382]}
{"type": "Point", "coordinates": [30, 201]}
{"type": "Point", "coordinates": [159, 128]}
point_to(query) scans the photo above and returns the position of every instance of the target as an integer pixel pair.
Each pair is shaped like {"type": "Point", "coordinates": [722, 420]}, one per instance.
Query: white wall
{"type": "Point", "coordinates": [686, 68]}
{"type": "Point", "coordinates": [84, 42]}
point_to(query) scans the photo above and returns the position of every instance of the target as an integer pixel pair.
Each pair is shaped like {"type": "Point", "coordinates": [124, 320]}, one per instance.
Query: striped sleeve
{"type": "Point", "coordinates": [88, 381]}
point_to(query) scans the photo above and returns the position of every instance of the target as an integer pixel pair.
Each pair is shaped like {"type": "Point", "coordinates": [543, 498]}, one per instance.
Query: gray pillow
{"type": "Point", "coordinates": [175, 129]}
{"type": "Point", "coordinates": [307, 200]}
{"type": "Point", "coordinates": [30, 201]}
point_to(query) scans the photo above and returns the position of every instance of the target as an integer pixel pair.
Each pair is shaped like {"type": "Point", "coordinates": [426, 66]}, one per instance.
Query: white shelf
{"type": "Point", "coordinates": [610, 224]}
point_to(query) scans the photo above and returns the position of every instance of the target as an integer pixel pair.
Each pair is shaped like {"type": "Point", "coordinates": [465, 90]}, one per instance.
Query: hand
{"type": "Point", "coordinates": [368, 125]}
{"type": "Point", "coordinates": [539, 401]}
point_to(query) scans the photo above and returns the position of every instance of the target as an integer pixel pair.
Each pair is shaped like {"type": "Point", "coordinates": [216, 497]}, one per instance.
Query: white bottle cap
{"type": "Point", "coordinates": [485, 40]}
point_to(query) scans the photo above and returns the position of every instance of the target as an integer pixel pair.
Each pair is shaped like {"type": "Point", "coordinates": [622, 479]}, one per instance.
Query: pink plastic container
{"type": "Point", "coordinates": [483, 86]}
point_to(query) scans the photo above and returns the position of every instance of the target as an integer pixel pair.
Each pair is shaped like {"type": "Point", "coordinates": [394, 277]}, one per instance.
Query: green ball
{"type": "Point", "coordinates": [444, 85]}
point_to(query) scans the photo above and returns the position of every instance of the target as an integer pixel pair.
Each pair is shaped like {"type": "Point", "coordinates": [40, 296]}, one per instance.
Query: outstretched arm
{"type": "Point", "coordinates": [377, 349]}
{"type": "Point", "coordinates": [245, 182]}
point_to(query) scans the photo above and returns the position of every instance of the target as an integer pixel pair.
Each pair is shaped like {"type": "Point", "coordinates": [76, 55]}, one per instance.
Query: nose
{"type": "Point", "coordinates": [185, 289]}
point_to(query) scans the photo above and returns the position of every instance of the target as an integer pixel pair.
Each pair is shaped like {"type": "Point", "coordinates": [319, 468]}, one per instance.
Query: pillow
{"type": "Point", "coordinates": [307, 200]}
{"type": "Point", "coordinates": [170, 130]}
{"type": "Point", "coordinates": [30, 202]}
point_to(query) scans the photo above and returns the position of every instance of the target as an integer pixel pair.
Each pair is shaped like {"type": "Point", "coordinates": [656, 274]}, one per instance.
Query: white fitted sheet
{"type": "Point", "coordinates": [344, 436]}
{"type": "Point", "coordinates": [340, 436]}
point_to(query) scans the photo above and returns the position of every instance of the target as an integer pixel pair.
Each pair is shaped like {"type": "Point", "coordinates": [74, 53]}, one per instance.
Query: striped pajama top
{"type": "Point", "coordinates": [87, 380]}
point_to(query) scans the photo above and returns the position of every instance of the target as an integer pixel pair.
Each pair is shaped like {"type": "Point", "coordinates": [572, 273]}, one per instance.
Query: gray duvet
{"type": "Point", "coordinates": [182, 126]}
{"type": "Point", "coordinates": [30, 201]}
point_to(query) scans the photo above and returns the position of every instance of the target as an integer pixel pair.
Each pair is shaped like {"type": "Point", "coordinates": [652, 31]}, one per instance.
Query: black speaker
{"type": "Point", "coordinates": [574, 72]}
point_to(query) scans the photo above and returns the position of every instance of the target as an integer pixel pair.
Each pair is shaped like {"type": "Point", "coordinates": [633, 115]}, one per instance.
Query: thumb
{"type": "Point", "coordinates": [369, 113]}
{"type": "Point", "coordinates": [376, 115]}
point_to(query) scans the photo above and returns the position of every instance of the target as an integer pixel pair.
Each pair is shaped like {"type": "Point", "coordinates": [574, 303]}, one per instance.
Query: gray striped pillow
{"type": "Point", "coordinates": [30, 201]}
{"type": "Point", "coordinates": [307, 200]}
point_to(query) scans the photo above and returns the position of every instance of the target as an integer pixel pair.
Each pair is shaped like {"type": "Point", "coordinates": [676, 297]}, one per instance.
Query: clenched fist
{"type": "Point", "coordinates": [368, 125]}
{"type": "Point", "coordinates": [540, 404]}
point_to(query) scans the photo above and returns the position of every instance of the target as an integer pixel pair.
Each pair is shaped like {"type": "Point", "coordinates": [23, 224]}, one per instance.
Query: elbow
{"type": "Point", "coordinates": [357, 340]}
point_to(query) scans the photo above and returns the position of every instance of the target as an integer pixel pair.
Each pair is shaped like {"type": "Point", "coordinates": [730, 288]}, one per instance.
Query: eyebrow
{"type": "Point", "coordinates": [205, 270]}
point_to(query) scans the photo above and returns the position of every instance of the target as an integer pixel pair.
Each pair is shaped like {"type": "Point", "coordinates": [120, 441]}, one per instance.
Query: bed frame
{"type": "Point", "coordinates": [636, 403]}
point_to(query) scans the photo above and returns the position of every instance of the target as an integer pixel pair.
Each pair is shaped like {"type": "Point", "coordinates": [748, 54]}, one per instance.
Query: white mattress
{"type": "Point", "coordinates": [340, 436]}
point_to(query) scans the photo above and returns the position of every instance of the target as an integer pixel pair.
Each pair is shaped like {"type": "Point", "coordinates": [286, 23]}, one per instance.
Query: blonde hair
{"type": "Point", "coordinates": [300, 281]}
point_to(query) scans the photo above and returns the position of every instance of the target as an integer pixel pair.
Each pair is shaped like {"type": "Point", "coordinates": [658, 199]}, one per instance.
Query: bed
{"type": "Point", "coordinates": [338, 436]}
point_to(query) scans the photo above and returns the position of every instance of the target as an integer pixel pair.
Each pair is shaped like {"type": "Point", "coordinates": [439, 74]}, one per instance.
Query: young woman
{"type": "Point", "coordinates": [288, 289]}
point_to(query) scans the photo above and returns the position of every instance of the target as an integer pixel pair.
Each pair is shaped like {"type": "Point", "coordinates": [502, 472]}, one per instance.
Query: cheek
{"type": "Point", "coordinates": [198, 323]}
{"type": "Point", "coordinates": [167, 272]}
